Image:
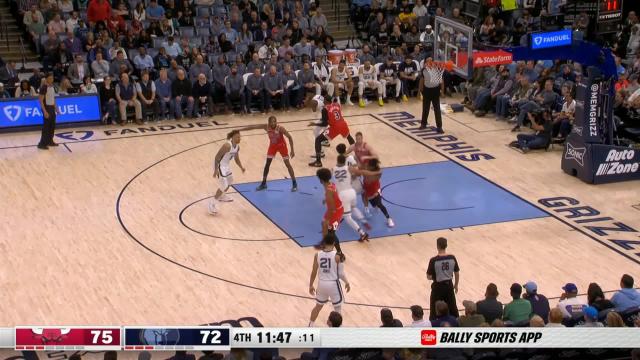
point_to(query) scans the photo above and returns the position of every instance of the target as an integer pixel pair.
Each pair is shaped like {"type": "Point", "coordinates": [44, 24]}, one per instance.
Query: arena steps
{"type": "Point", "coordinates": [10, 41]}
{"type": "Point", "coordinates": [339, 27]}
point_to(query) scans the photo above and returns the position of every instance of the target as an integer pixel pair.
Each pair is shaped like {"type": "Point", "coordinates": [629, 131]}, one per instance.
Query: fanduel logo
{"type": "Point", "coordinates": [576, 154]}
{"type": "Point", "coordinates": [538, 40]}
{"type": "Point", "coordinates": [613, 164]}
{"type": "Point", "coordinates": [12, 112]}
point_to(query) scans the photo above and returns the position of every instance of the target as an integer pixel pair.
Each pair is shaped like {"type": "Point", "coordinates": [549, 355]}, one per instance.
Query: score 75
{"type": "Point", "coordinates": [104, 337]}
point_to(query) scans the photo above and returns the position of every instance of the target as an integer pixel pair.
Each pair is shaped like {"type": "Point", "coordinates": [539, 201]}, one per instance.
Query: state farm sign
{"type": "Point", "coordinates": [491, 58]}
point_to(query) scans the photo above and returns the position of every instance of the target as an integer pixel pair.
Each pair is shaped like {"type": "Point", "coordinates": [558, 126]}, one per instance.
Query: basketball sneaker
{"type": "Point", "coordinates": [349, 102]}
{"type": "Point", "coordinates": [380, 102]}
{"type": "Point", "coordinates": [315, 164]}
{"type": "Point", "coordinates": [405, 98]}
{"type": "Point", "coordinates": [364, 237]}
{"type": "Point", "coordinates": [212, 208]}
{"type": "Point", "coordinates": [390, 223]}
{"type": "Point", "coordinates": [326, 143]}
{"type": "Point", "coordinates": [225, 198]}
{"type": "Point", "coordinates": [367, 212]}
{"type": "Point", "coordinates": [294, 187]}
{"type": "Point", "coordinates": [361, 103]}
{"type": "Point", "coordinates": [262, 186]}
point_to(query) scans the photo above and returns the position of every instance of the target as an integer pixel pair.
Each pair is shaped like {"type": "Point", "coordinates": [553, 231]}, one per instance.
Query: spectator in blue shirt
{"type": "Point", "coordinates": [155, 11]}
{"type": "Point", "coordinates": [230, 33]}
{"type": "Point", "coordinates": [627, 297]}
{"type": "Point", "coordinates": [143, 61]}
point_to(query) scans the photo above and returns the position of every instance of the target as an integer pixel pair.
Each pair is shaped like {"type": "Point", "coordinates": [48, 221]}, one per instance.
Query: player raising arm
{"type": "Point", "coordinates": [371, 186]}
{"type": "Point", "coordinates": [328, 266]}
{"type": "Point", "coordinates": [222, 168]}
{"type": "Point", "coordinates": [277, 144]}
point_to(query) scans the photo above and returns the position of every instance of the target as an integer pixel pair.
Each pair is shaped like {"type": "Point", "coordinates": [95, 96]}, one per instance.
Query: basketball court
{"type": "Point", "coordinates": [112, 226]}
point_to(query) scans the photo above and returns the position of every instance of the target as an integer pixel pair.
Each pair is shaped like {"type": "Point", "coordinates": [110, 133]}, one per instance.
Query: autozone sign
{"type": "Point", "coordinates": [491, 58]}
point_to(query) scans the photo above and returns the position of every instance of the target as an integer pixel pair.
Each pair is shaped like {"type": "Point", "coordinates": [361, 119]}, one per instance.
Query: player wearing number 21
{"type": "Point", "coordinates": [328, 266]}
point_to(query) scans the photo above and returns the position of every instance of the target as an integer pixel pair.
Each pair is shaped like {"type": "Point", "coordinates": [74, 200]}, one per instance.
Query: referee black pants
{"type": "Point", "coordinates": [48, 127]}
{"type": "Point", "coordinates": [431, 96]}
{"type": "Point", "coordinates": [442, 290]}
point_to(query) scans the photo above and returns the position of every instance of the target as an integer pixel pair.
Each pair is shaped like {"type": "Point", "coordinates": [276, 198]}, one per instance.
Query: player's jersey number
{"type": "Point", "coordinates": [340, 175]}
{"type": "Point", "coordinates": [325, 265]}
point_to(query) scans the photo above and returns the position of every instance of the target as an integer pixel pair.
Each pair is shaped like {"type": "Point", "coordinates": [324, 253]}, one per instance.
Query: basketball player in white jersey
{"type": "Point", "coordinates": [322, 74]}
{"type": "Point", "coordinates": [317, 104]}
{"type": "Point", "coordinates": [341, 79]}
{"type": "Point", "coordinates": [369, 80]}
{"type": "Point", "coordinates": [329, 269]}
{"type": "Point", "coordinates": [230, 150]}
{"type": "Point", "coordinates": [347, 195]}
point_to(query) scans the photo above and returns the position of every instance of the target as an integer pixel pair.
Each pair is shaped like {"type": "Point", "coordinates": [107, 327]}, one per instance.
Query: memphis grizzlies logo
{"type": "Point", "coordinates": [160, 336]}
{"type": "Point", "coordinates": [13, 112]}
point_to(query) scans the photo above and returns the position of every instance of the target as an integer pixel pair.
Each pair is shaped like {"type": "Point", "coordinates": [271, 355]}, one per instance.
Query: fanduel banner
{"type": "Point", "coordinates": [551, 39]}
{"type": "Point", "coordinates": [26, 112]}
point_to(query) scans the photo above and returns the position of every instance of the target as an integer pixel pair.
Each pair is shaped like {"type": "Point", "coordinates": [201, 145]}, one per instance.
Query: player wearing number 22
{"type": "Point", "coordinates": [277, 144]}
{"type": "Point", "coordinates": [337, 125]}
{"type": "Point", "coordinates": [328, 266]}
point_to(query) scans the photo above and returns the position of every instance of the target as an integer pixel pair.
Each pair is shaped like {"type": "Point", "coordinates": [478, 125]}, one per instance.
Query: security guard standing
{"type": "Point", "coordinates": [49, 110]}
{"type": "Point", "coordinates": [430, 85]}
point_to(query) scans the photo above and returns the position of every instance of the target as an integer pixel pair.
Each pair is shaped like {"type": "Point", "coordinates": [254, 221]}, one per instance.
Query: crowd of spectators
{"type": "Point", "coordinates": [99, 42]}
{"type": "Point", "coordinates": [274, 54]}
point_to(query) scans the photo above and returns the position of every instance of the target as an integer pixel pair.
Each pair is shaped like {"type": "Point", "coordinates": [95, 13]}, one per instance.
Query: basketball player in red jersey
{"type": "Point", "coordinates": [333, 215]}
{"type": "Point", "coordinates": [337, 125]}
{"type": "Point", "coordinates": [362, 151]}
{"type": "Point", "coordinates": [277, 144]}
{"type": "Point", "coordinates": [371, 186]}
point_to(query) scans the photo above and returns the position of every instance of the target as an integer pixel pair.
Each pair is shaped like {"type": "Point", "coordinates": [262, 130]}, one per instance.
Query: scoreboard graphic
{"type": "Point", "coordinates": [177, 338]}
{"type": "Point", "coordinates": [68, 338]}
{"type": "Point", "coordinates": [207, 338]}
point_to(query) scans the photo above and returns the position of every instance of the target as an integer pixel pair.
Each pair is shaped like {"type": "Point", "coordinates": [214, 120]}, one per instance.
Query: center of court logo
{"type": "Point", "coordinates": [428, 337]}
{"type": "Point", "coordinates": [574, 153]}
{"type": "Point", "coordinates": [13, 112]}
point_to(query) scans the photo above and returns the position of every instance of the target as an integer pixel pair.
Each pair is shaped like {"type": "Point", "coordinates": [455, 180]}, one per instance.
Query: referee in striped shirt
{"type": "Point", "coordinates": [444, 271]}
{"type": "Point", "coordinates": [430, 85]}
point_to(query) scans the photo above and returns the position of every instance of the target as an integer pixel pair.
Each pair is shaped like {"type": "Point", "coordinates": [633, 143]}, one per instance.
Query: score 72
{"type": "Point", "coordinates": [214, 336]}
{"type": "Point", "coordinates": [103, 337]}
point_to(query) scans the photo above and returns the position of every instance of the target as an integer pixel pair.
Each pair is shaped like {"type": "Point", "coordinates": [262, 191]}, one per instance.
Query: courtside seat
{"type": "Point", "coordinates": [630, 316]}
